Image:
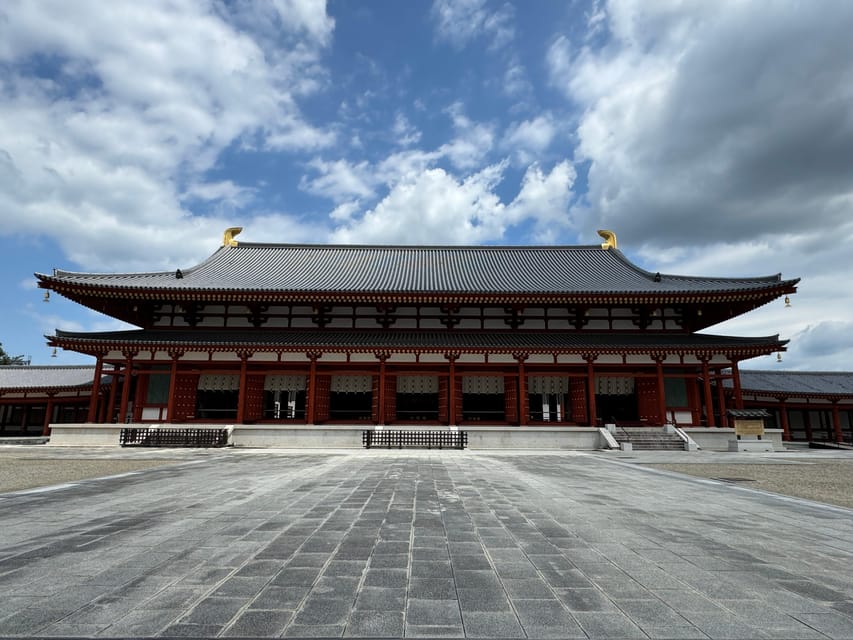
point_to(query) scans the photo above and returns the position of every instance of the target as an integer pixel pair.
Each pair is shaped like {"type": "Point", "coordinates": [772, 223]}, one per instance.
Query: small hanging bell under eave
{"type": "Point", "coordinates": [53, 353]}
{"type": "Point", "coordinates": [787, 301]}
{"type": "Point", "coordinates": [46, 296]}
{"type": "Point", "coordinates": [778, 357]}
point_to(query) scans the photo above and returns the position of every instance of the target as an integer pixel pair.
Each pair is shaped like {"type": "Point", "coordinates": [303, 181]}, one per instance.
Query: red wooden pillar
{"type": "Point", "coordinates": [96, 391]}
{"type": "Point", "coordinates": [523, 413]}
{"type": "Point", "coordinates": [125, 389]}
{"type": "Point", "coordinates": [382, 358]}
{"type": "Point", "coordinates": [173, 377]}
{"type": "Point", "coordinates": [111, 405]}
{"type": "Point", "coordinates": [312, 390]}
{"type": "Point", "coordinates": [451, 385]}
{"type": "Point", "coordinates": [590, 388]}
{"type": "Point", "coordinates": [709, 399]}
{"type": "Point", "coordinates": [49, 412]}
{"type": "Point", "coordinates": [721, 397]}
{"type": "Point", "coordinates": [243, 390]}
{"type": "Point", "coordinates": [736, 383]}
{"type": "Point", "coordinates": [661, 390]}
{"type": "Point", "coordinates": [836, 422]}
{"type": "Point", "coordinates": [783, 418]}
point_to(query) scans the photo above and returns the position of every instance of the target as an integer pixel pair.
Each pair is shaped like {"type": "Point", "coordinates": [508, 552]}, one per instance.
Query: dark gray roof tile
{"type": "Point", "coordinates": [834, 383]}
{"type": "Point", "coordinates": [45, 377]}
{"type": "Point", "coordinates": [402, 269]}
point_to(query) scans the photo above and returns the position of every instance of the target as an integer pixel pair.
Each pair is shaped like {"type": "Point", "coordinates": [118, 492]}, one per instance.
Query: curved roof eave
{"type": "Point", "coordinates": [294, 270]}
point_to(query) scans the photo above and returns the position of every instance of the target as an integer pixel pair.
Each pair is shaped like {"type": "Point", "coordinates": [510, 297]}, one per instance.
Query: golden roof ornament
{"type": "Point", "coordinates": [228, 238]}
{"type": "Point", "coordinates": [609, 239]}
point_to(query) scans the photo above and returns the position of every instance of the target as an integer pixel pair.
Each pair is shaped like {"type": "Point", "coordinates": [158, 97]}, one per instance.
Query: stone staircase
{"type": "Point", "coordinates": [650, 439]}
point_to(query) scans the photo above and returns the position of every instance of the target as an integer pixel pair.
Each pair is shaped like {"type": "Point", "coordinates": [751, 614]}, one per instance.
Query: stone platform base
{"type": "Point", "coordinates": [750, 445]}
{"type": "Point", "coordinates": [345, 436]}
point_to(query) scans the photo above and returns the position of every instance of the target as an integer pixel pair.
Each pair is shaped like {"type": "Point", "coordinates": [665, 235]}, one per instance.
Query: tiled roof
{"type": "Point", "coordinates": [834, 383]}
{"type": "Point", "coordinates": [402, 269]}
{"type": "Point", "coordinates": [437, 340]}
{"type": "Point", "coordinates": [45, 377]}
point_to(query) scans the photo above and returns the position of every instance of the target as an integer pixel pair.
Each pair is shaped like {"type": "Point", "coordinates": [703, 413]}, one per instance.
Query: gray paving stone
{"type": "Point", "coordinates": [432, 588]}
{"type": "Point", "coordinates": [141, 622]}
{"type": "Point", "coordinates": [238, 587]}
{"type": "Point", "coordinates": [434, 631]}
{"type": "Point", "coordinates": [433, 612]}
{"type": "Point", "coordinates": [609, 625]}
{"type": "Point", "coordinates": [542, 613]}
{"type": "Point", "coordinates": [476, 579]}
{"type": "Point", "coordinates": [296, 576]}
{"type": "Point", "coordinates": [185, 630]}
{"type": "Point", "coordinates": [335, 587]}
{"type": "Point", "coordinates": [480, 624]}
{"type": "Point", "coordinates": [284, 598]}
{"type": "Point", "coordinates": [254, 624]}
{"type": "Point", "coordinates": [323, 611]}
{"type": "Point", "coordinates": [482, 599]}
{"type": "Point", "coordinates": [381, 599]}
{"type": "Point", "coordinates": [386, 578]}
{"type": "Point", "coordinates": [375, 624]}
{"type": "Point", "coordinates": [213, 611]}
{"type": "Point", "coordinates": [314, 631]}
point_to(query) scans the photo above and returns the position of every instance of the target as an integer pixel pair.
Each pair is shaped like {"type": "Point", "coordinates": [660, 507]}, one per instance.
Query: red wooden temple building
{"type": "Point", "coordinates": [394, 335]}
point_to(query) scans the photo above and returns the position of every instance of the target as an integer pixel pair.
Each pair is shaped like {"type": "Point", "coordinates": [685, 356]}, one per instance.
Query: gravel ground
{"type": "Point", "coordinates": [26, 472]}
{"type": "Point", "coordinates": [830, 482]}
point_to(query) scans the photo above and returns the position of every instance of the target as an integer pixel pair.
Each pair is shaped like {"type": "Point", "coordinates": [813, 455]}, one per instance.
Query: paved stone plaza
{"type": "Point", "coordinates": [420, 544]}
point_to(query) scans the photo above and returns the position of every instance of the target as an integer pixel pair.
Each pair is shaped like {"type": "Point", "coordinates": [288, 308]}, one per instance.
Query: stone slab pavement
{"type": "Point", "coordinates": [251, 543]}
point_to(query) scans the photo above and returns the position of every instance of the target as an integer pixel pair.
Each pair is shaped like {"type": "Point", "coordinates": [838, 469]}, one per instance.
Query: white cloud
{"type": "Point", "coordinates": [142, 100]}
{"type": "Point", "coordinates": [530, 139]}
{"type": "Point", "coordinates": [340, 180]}
{"type": "Point", "coordinates": [718, 141]}
{"type": "Point", "coordinates": [405, 133]}
{"type": "Point", "coordinates": [460, 22]}
{"type": "Point", "coordinates": [472, 143]}
{"type": "Point", "coordinates": [434, 207]}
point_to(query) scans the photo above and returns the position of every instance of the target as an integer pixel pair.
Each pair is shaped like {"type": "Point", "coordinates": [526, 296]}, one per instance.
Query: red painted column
{"type": "Point", "coordinates": [96, 391]}
{"type": "Point", "coordinates": [783, 418]}
{"type": "Point", "coordinates": [241, 393]}
{"type": "Point", "coordinates": [312, 390]}
{"type": "Point", "coordinates": [125, 389]}
{"type": "Point", "coordinates": [661, 390]}
{"type": "Point", "coordinates": [736, 383]}
{"type": "Point", "coordinates": [49, 413]}
{"type": "Point", "coordinates": [382, 358]}
{"type": "Point", "coordinates": [836, 422]}
{"type": "Point", "coordinates": [590, 389]}
{"type": "Point", "coordinates": [523, 418]}
{"type": "Point", "coordinates": [451, 384]}
{"type": "Point", "coordinates": [111, 405]}
{"type": "Point", "coordinates": [709, 399]}
{"type": "Point", "coordinates": [173, 376]}
{"type": "Point", "coordinates": [721, 397]}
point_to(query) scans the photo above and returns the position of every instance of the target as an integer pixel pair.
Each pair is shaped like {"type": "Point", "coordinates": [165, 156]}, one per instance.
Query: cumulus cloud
{"type": "Point", "coordinates": [530, 139]}
{"type": "Point", "coordinates": [690, 112]}
{"type": "Point", "coordinates": [136, 102]}
{"type": "Point", "coordinates": [717, 146]}
{"type": "Point", "coordinates": [435, 207]}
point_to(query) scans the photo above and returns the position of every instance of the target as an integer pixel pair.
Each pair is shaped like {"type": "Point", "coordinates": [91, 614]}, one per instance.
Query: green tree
{"type": "Point", "coordinates": [5, 358]}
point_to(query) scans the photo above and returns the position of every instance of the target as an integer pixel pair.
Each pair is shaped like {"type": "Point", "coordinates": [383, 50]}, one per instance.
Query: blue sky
{"type": "Point", "coordinates": [714, 138]}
